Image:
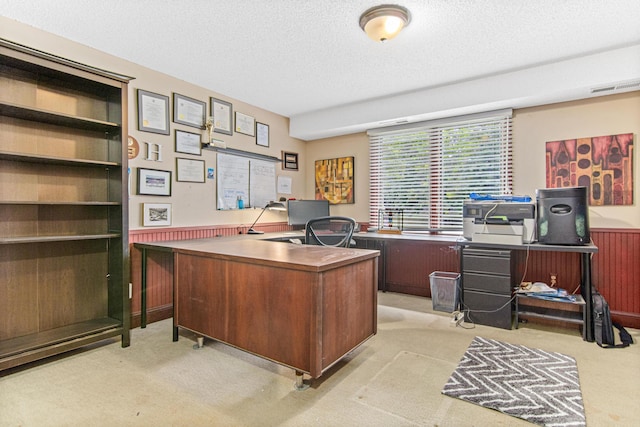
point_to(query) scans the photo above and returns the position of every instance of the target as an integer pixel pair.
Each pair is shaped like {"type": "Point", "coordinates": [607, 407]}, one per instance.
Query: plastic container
{"type": "Point", "coordinates": [445, 290]}
{"type": "Point", "coordinates": [563, 216]}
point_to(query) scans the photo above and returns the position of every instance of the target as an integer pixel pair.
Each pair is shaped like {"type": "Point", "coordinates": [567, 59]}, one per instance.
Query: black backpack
{"type": "Point", "coordinates": [603, 326]}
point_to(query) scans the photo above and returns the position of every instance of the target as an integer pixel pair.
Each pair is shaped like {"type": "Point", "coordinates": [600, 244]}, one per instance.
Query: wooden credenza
{"type": "Point", "coordinates": [302, 306]}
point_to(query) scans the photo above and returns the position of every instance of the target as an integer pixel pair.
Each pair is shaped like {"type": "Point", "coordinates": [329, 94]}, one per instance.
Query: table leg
{"type": "Point", "coordinates": [300, 385]}
{"type": "Point", "coordinates": [143, 290]}
{"type": "Point", "coordinates": [586, 290]}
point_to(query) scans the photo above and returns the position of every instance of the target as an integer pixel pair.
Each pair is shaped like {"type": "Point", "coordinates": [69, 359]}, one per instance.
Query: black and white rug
{"type": "Point", "coordinates": [538, 386]}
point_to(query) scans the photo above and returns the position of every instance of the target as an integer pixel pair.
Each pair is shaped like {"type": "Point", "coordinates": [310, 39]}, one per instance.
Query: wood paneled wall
{"type": "Point", "coordinates": [615, 268]}
{"type": "Point", "coordinates": [160, 265]}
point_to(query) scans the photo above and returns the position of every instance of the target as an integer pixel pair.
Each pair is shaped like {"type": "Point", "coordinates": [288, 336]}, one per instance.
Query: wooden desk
{"type": "Point", "coordinates": [302, 306]}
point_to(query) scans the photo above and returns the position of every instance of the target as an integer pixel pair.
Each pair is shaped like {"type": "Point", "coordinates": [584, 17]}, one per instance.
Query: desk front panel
{"type": "Point", "coordinates": [302, 319]}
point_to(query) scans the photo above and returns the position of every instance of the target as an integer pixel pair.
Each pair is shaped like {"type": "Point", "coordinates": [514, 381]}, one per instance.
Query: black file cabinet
{"type": "Point", "coordinates": [488, 277]}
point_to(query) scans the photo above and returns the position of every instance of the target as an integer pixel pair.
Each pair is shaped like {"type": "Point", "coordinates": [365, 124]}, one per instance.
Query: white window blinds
{"type": "Point", "coordinates": [429, 169]}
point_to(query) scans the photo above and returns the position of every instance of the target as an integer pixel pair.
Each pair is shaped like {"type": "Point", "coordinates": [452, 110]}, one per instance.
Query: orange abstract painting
{"type": "Point", "coordinates": [603, 164]}
{"type": "Point", "coordinates": [334, 180]}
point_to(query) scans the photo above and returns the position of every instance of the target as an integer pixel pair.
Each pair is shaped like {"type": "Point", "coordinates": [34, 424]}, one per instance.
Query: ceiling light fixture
{"type": "Point", "coordinates": [384, 22]}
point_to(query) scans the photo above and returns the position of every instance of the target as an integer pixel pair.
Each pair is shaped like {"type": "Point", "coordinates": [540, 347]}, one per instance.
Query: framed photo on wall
{"type": "Point", "coordinates": [189, 111]}
{"type": "Point", "coordinates": [156, 214]}
{"type": "Point", "coordinates": [289, 161]}
{"type": "Point", "coordinates": [153, 112]}
{"type": "Point", "coordinates": [153, 182]}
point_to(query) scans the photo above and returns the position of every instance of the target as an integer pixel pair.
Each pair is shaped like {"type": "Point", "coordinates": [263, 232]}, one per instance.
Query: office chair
{"type": "Point", "coordinates": [330, 231]}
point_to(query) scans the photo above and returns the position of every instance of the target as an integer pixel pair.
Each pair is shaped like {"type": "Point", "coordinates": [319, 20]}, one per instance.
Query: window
{"type": "Point", "coordinates": [428, 169]}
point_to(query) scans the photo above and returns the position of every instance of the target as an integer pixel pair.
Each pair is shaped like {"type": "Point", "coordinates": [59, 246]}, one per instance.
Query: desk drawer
{"type": "Point", "coordinates": [487, 283]}
{"type": "Point", "coordinates": [487, 309]}
{"type": "Point", "coordinates": [488, 261]}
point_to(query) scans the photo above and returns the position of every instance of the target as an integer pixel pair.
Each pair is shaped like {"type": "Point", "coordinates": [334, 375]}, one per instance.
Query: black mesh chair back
{"type": "Point", "coordinates": [330, 231]}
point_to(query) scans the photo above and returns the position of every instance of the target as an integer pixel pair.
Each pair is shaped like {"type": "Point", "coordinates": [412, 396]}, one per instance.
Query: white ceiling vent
{"type": "Point", "coordinates": [630, 85]}
{"type": "Point", "coordinates": [393, 122]}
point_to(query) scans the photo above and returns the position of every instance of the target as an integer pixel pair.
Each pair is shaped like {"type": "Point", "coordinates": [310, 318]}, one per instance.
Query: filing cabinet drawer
{"type": "Point", "coordinates": [488, 309]}
{"type": "Point", "coordinates": [488, 261]}
{"type": "Point", "coordinates": [487, 283]}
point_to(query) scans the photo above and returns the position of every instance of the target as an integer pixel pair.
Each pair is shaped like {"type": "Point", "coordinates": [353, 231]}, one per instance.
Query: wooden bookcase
{"type": "Point", "coordinates": [63, 205]}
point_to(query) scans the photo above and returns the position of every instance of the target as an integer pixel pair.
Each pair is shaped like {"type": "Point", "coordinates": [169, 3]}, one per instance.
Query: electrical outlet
{"type": "Point", "coordinates": [456, 318]}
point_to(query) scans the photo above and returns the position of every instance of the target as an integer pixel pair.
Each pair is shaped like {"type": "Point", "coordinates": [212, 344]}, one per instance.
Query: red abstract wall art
{"type": "Point", "coordinates": [603, 164]}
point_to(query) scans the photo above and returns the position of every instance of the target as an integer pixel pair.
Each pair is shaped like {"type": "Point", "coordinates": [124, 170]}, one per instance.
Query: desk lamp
{"type": "Point", "coordinates": [272, 206]}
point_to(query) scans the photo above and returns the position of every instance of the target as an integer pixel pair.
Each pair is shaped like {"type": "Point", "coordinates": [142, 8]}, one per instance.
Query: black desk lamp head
{"type": "Point", "coordinates": [272, 206]}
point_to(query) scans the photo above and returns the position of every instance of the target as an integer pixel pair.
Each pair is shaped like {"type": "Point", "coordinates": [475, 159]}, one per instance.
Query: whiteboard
{"type": "Point", "coordinates": [252, 180]}
{"type": "Point", "coordinates": [262, 183]}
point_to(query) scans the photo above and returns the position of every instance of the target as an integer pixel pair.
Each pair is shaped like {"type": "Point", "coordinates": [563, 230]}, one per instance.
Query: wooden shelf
{"type": "Point", "coordinates": [24, 349]}
{"type": "Point", "coordinates": [44, 239]}
{"type": "Point", "coordinates": [34, 158]}
{"type": "Point", "coordinates": [552, 312]}
{"type": "Point", "coordinates": [63, 204]}
{"type": "Point", "coordinates": [51, 117]}
{"type": "Point", "coordinates": [50, 203]}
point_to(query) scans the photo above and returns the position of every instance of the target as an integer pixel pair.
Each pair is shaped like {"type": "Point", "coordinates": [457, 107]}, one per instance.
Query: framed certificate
{"type": "Point", "coordinates": [221, 112]}
{"type": "Point", "coordinates": [245, 124]}
{"type": "Point", "coordinates": [188, 142]}
{"type": "Point", "coordinates": [189, 111]}
{"type": "Point", "coordinates": [153, 112]}
{"type": "Point", "coordinates": [189, 170]}
{"type": "Point", "coordinates": [262, 134]}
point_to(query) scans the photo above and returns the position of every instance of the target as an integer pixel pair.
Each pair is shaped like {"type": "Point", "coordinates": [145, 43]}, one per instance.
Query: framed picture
{"type": "Point", "coordinates": [189, 170]}
{"type": "Point", "coordinates": [334, 180]}
{"type": "Point", "coordinates": [245, 124]}
{"type": "Point", "coordinates": [188, 142]}
{"type": "Point", "coordinates": [189, 111]}
{"type": "Point", "coordinates": [156, 214]}
{"type": "Point", "coordinates": [221, 112]}
{"type": "Point", "coordinates": [153, 182]}
{"type": "Point", "coordinates": [262, 134]}
{"type": "Point", "coordinates": [153, 112]}
{"type": "Point", "coordinates": [289, 161]}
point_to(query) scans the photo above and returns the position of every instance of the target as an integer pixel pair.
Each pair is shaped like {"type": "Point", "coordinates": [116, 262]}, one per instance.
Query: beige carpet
{"type": "Point", "coordinates": [394, 379]}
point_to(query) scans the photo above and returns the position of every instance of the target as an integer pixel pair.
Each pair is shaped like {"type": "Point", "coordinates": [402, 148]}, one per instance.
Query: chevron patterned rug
{"type": "Point", "coordinates": [538, 386]}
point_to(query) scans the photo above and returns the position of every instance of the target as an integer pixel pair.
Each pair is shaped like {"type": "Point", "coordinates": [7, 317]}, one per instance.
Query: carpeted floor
{"type": "Point", "coordinates": [394, 379]}
{"type": "Point", "coordinates": [538, 386]}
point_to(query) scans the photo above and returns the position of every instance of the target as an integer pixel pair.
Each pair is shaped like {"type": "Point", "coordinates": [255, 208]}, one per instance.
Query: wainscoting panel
{"type": "Point", "coordinates": [615, 268]}
{"type": "Point", "coordinates": [160, 265]}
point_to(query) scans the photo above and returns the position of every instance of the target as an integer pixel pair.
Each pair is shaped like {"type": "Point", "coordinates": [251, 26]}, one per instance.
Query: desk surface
{"type": "Point", "coordinates": [256, 249]}
{"type": "Point", "coordinates": [590, 248]}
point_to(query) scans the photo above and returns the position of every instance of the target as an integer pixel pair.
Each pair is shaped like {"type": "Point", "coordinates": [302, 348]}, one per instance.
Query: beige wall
{"type": "Point", "coordinates": [356, 145]}
{"type": "Point", "coordinates": [193, 204]}
{"type": "Point", "coordinates": [607, 115]}
{"type": "Point", "coordinates": [532, 128]}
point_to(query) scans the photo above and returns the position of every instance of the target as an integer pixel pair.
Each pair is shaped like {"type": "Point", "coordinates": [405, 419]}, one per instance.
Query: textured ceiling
{"type": "Point", "coordinates": [295, 57]}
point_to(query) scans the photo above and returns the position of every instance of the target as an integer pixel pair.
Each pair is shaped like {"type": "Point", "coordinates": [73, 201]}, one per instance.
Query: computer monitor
{"type": "Point", "coordinates": [301, 211]}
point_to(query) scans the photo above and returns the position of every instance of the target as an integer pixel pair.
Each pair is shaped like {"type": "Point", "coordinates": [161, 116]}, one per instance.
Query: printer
{"type": "Point", "coordinates": [498, 221]}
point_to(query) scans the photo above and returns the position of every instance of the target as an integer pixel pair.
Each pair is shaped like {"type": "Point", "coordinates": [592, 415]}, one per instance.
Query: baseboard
{"type": "Point", "coordinates": [154, 314]}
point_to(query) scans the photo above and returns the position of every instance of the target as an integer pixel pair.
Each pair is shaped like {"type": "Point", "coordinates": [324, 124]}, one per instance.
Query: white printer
{"type": "Point", "coordinates": [499, 221]}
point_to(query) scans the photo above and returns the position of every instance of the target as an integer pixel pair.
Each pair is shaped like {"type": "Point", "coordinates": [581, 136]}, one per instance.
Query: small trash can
{"type": "Point", "coordinates": [445, 290]}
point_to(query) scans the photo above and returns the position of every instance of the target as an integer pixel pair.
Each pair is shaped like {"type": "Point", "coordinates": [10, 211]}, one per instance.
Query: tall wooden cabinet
{"type": "Point", "coordinates": [63, 205]}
